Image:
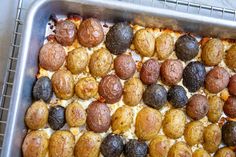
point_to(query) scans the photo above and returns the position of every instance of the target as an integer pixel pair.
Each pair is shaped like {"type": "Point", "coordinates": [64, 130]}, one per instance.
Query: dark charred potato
{"type": "Point", "coordinates": [186, 47]}
{"type": "Point", "coordinates": [232, 85]}
{"type": "Point", "coordinates": [35, 144]}
{"type": "Point", "coordinates": [61, 144]}
{"type": "Point", "coordinates": [230, 58]}
{"type": "Point", "coordinates": [121, 120]}
{"type": "Point", "coordinates": [88, 145]}
{"type": "Point", "coordinates": [90, 32]}
{"type": "Point", "coordinates": [212, 138]}
{"type": "Point", "coordinates": [215, 108]}
{"type": "Point", "coordinates": [229, 133]}
{"type": "Point", "coordinates": [144, 43]}
{"type": "Point", "coordinates": [200, 153]}
{"type": "Point", "coordinates": [36, 116]}
{"type": "Point", "coordinates": [56, 118]}
{"type": "Point", "coordinates": [52, 56]}
{"type": "Point", "coordinates": [110, 89]}
{"type": "Point", "coordinates": [177, 96]}
{"type": "Point", "coordinates": [133, 91]}
{"type": "Point", "coordinates": [171, 71]}
{"type": "Point", "coordinates": [148, 123]}
{"type": "Point", "coordinates": [135, 148]}
{"type": "Point", "coordinates": [212, 52]}
{"type": "Point", "coordinates": [112, 146]}
{"type": "Point", "coordinates": [65, 32]}
{"type": "Point", "coordinates": [63, 84]}
{"type": "Point", "coordinates": [77, 60]}
{"type": "Point", "coordinates": [119, 38]}
{"type": "Point", "coordinates": [86, 88]}
{"type": "Point", "coordinates": [155, 96]}
{"type": "Point", "coordinates": [124, 66]}
{"type": "Point", "coordinates": [98, 117]}
{"type": "Point", "coordinates": [216, 79]}
{"type": "Point", "coordinates": [193, 133]}
{"type": "Point", "coordinates": [43, 89]}
{"type": "Point", "coordinates": [180, 149]}
{"type": "Point", "coordinates": [100, 63]}
{"type": "Point", "coordinates": [150, 72]}
{"type": "Point", "coordinates": [230, 107]}
{"type": "Point", "coordinates": [159, 146]}
{"type": "Point", "coordinates": [164, 46]}
{"type": "Point", "coordinates": [193, 76]}
{"type": "Point", "coordinates": [75, 115]}
{"type": "Point", "coordinates": [224, 152]}
{"type": "Point", "coordinates": [197, 107]}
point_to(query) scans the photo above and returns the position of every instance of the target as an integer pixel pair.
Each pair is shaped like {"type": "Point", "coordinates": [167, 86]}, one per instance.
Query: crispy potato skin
{"type": "Point", "coordinates": [164, 46]}
{"type": "Point", "coordinates": [215, 108]}
{"type": "Point", "coordinates": [159, 146]}
{"type": "Point", "coordinates": [193, 133]}
{"type": "Point", "coordinates": [180, 149]}
{"type": "Point", "coordinates": [201, 153]}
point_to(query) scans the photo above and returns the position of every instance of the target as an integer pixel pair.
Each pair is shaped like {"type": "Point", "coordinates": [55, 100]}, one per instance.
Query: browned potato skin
{"type": "Point", "coordinates": [133, 91]}
{"type": "Point", "coordinates": [144, 42]}
{"type": "Point", "coordinates": [148, 123]}
{"type": "Point", "coordinates": [180, 149]}
{"type": "Point", "coordinates": [159, 146]}
{"type": "Point", "coordinates": [86, 88]}
{"type": "Point", "coordinates": [216, 79]}
{"type": "Point", "coordinates": [90, 32]}
{"type": "Point", "coordinates": [88, 145]}
{"type": "Point", "coordinates": [75, 115]}
{"type": "Point", "coordinates": [174, 123]}
{"type": "Point", "coordinates": [230, 58]}
{"type": "Point", "coordinates": [100, 63]}
{"type": "Point", "coordinates": [212, 52]}
{"type": "Point", "coordinates": [37, 115]}
{"type": "Point", "coordinates": [224, 152]}
{"type": "Point", "coordinates": [230, 107]}
{"type": "Point", "coordinates": [98, 117]}
{"type": "Point", "coordinates": [52, 56]}
{"type": "Point", "coordinates": [193, 133]}
{"type": "Point", "coordinates": [63, 84]}
{"type": "Point", "coordinates": [215, 108]}
{"type": "Point", "coordinates": [35, 144]}
{"type": "Point", "coordinates": [77, 60]}
{"type": "Point", "coordinates": [232, 85]}
{"type": "Point", "coordinates": [212, 138]}
{"type": "Point", "coordinates": [164, 46]}
{"type": "Point", "coordinates": [61, 144]}
{"type": "Point", "coordinates": [200, 153]}
{"type": "Point", "coordinates": [121, 120]}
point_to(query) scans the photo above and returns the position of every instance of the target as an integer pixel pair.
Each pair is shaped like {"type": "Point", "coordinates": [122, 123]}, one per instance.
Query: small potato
{"type": "Point", "coordinates": [133, 91]}
{"type": "Point", "coordinates": [200, 153]}
{"type": "Point", "coordinates": [61, 144]}
{"type": "Point", "coordinates": [100, 62]}
{"type": "Point", "coordinates": [180, 149]}
{"type": "Point", "coordinates": [75, 115]}
{"type": "Point", "coordinates": [230, 58]}
{"type": "Point", "coordinates": [144, 42]}
{"type": "Point", "coordinates": [212, 52]}
{"type": "Point", "coordinates": [86, 88]}
{"type": "Point", "coordinates": [88, 145]}
{"type": "Point", "coordinates": [164, 46]}
{"type": "Point", "coordinates": [37, 115]}
{"type": "Point", "coordinates": [121, 120]}
{"type": "Point", "coordinates": [212, 138]}
{"type": "Point", "coordinates": [193, 133]}
{"type": "Point", "coordinates": [159, 146]}
{"type": "Point", "coordinates": [63, 84]}
{"type": "Point", "coordinates": [215, 108]}
{"type": "Point", "coordinates": [35, 144]}
{"type": "Point", "coordinates": [77, 60]}
{"type": "Point", "coordinates": [174, 123]}
{"type": "Point", "coordinates": [225, 152]}
{"type": "Point", "coordinates": [148, 123]}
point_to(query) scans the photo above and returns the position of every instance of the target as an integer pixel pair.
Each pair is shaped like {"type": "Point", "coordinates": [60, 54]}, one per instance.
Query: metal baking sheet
{"type": "Point", "coordinates": [112, 11]}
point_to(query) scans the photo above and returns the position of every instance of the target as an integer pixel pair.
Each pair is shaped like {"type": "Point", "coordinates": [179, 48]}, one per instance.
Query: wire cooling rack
{"type": "Point", "coordinates": [178, 5]}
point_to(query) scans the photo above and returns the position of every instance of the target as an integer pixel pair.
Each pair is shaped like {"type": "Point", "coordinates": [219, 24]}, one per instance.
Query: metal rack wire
{"type": "Point", "coordinates": [178, 5]}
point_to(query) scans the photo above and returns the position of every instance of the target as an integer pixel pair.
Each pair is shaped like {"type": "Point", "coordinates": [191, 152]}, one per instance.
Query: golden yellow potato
{"type": "Point", "coordinates": [121, 120]}
{"type": "Point", "coordinates": [35, 144]}
{"type": "Point", "coordinates": [180, 149]}
{"type": "Point", "coordinates": [164, 46]}
{"type": "Point", "coordinates": [88, 145]}
{"type": "Point", "coordinates": [230, 58]}
{"type": "Point", "coordinates": [215, 108]}
{"type": "Point", "coordinates": [174, 123]}
{"type": "Point", "coordinates": [193, 133]}
{"type": "Point", "coordinates": [159, 146]}
{"type": "Point", "coordinates": [224, 152]}
{"type": "Point", "coordinates": [200, 153]}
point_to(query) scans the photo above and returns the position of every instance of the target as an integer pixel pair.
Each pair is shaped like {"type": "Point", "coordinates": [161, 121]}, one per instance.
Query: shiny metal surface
{"type": "Point", "coordinates": [33, 37]}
